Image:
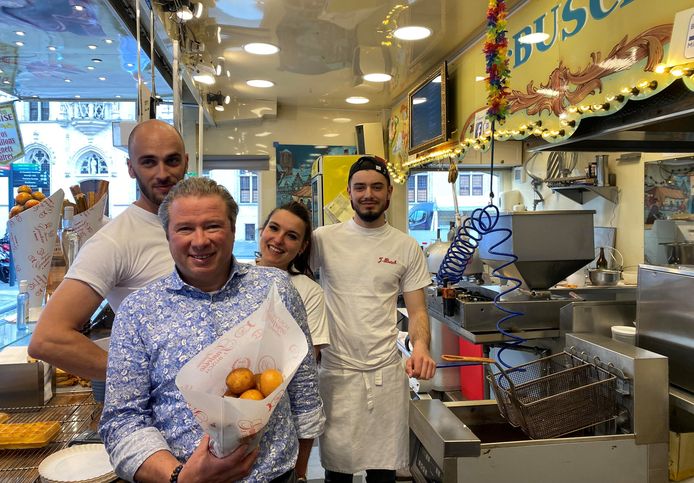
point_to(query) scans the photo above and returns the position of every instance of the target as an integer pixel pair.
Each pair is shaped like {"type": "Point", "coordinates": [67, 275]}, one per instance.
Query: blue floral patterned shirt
{"type": "Point", "coordinates": [161, 327]}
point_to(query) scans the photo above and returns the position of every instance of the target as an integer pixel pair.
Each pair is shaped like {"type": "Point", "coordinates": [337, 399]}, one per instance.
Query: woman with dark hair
{"type": "Point", "coordinates": [285, 243]}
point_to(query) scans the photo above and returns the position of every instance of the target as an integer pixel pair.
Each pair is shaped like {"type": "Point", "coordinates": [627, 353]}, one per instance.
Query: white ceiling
{"type": "Point", "coordinates": [320, 41]}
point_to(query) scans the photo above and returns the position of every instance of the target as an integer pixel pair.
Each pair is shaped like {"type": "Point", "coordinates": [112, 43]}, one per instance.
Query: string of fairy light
{"type": "Point", "coordinates": [568, 121]}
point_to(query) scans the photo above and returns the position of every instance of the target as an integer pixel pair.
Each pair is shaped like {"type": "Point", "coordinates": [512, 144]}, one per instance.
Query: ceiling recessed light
{"type": "Point", "coordinates": [260, 48]}
{"type": "Point", "coordinates": [419, 100]}
{"type": "Point", "coordinates": [219, 107]}
{"type": "Point", "coordinates": [130, 64]}
{"type": "Point", "coordinates": [6, 82]}
{"type": "Point", "coordinates": [77, 96]}
{"type": "Point", "coordinates": [91, 47]}
{"type": "Point", "coordinates": [261, 145]}
{"type": "Point", "coordinates": [376, 77]}
{"type": "Point", "coordinates": [117, 97]}
{"type": "Point", "coordinates": [437, 79]}
{"type": "Point", "coordinates": [330, 135]}
{"type": "Point", "coordinates": [52, 48]}
{"type": "Point", "coordinates": [19, 43]}
{"type": "Point", "coordinates": [96, 60]}
{"type": "Point", "coordinates": [79, 8]}
{"type": "Point", "coordinates": [342, 120]}
{"type": "Point", "coordinates": [321, 146]}
{"type": "Point", "coordinates": [20, 33]}
{"type": "Point", "coordinates": [534, 38]}
{"type": "Point", "coordinates": [263, 134]}
{"type": "Point", "coordinates": [357, 100]}
{"type": "Point", "coordinates": [108, 41]}
{"type": "Point", "coordinates": [479, 78]}
{"type": "Point", "coordinates": [102, 78]}
{"type": "Point", "coordinates": [260, 83]}
{"type": "Point", "coordinates": [68, 80]}
{"type": "Point", "coordinates": [412, 33]}
{"type": "Point", "coordinates": [90, 67]}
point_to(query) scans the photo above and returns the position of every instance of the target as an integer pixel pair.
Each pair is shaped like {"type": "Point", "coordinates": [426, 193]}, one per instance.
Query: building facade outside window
{"type": "Point", "coordinates": [39, 111]}
{"type": "Point", "coordinates": [248, 181]}
{"type": "Point", "coordinates": [250, 231]}
{"type": "Point", "coordinates": [418, 188]}
{"type": "Point", "coordinates": [92, 163]}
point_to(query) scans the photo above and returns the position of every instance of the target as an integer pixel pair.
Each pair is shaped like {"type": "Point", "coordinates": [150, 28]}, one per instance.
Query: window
{"type": "Point", "coordinates": [249, 187]}
{"type": "Point", "coordinates": [250, 231]}
{"type": "Point", "coordinates": [38, 111]}
{"type": "Point", "coordinates": [91, 163]}
{"type": "Point", "coordinates": [464, 185]}
{"type": "Point", "coordinates": [37, 156]}
{"type": "Point", "coordinates": [417, 187]}
{"type": "Point", "coordinates": [477, 189]}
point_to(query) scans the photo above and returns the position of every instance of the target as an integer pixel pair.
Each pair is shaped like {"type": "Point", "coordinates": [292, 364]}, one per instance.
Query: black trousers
{"type": "Point", "coordinates": [372, 476]}
{"type": "Point", "coordinates": [288, 477]}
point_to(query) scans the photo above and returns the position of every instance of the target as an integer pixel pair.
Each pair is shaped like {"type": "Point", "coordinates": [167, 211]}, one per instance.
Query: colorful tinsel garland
{"type": "Point", "coordinates": [495, 51]}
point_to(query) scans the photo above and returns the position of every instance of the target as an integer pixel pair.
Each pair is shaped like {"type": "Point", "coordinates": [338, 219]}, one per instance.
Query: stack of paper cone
{"type": "Point", "coordinates": [32, 238]}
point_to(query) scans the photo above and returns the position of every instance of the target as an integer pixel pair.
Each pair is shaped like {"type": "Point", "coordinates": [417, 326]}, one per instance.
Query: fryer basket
{"type": "Point", "coordinates": [554, 395]}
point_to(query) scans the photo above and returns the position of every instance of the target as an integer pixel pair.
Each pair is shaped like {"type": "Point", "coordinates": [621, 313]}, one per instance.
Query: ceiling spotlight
{"type": "Point", "coordinates": [204, 74]}
{"type": "Point", "coordinates": [534, 38]}
{"type": "Point", "coordinates": [264, 84]}
{"type": "Point", "coordinates": [227, 99]}
{"type": "Point", "coordinates": [184, 13]}
{"type": "Point", "coordinates": [376, 77]}
{"type": "Point", "coordinates": [52, 48]}
{"type": "Point", "coordinates": [413, 32]}
{"type": "Point", "coordinates": [220, 66]}
{"type": "Point", "coordinates": [259, 48]}
{"type": "Point", "coordinates": [357, 100]}
{"type": "Point", "coordinates": [218, 100]}
{"type": "Point", "coordinates": [185, 10]}
{"type": "Point", "coordinates": [197, 9]}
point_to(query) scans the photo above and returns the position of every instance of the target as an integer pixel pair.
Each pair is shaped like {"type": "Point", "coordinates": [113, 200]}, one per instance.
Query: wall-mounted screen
{"type": "Point", "coordinates": [428, 116]}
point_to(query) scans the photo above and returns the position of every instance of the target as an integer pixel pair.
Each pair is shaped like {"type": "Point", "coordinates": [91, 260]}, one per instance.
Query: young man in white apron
{"type": "Point", "coordinates": [364, 264]}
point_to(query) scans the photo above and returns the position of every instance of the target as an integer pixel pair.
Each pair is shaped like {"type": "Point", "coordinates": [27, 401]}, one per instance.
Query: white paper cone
{"type": "Point", "coordinates": [32, 238]}
{"type": "Point", "coordinates": [89, 222]}
{"type": "Point", "coordinates": [268, 338]}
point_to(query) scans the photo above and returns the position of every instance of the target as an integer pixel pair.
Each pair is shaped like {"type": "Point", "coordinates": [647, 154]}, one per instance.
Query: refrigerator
{"type": "Point", "coordinates": [329, 199]}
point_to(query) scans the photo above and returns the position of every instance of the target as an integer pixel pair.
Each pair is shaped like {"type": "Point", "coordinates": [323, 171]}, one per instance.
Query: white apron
{"type": "Point", "coordinates": [366, 425]}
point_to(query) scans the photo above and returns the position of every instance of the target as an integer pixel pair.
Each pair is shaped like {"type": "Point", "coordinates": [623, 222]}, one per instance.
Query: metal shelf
{"type": "Point", "coordinates": [582, 193]}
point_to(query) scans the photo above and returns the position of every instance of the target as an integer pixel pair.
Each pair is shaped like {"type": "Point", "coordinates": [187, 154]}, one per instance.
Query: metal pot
{"type": "Point", "coordinates": [602, 277]}
{"type": "Point", "coordinates": [681, 253]}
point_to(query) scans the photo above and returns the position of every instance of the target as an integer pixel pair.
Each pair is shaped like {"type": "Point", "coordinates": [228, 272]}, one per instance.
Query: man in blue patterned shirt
{"type": "Point", "coordinates": [147, 427]}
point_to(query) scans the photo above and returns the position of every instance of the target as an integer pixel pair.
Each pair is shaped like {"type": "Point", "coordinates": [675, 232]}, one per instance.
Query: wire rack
{"type": "Point", "coordinates": [76, 412]}
{"type": "Point", "coordinates": [555, 395]}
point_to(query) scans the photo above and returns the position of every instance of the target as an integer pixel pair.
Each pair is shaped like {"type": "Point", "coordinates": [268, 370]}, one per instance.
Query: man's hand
{"type": "Point", "coordinates": [203, 466]}
{"type": "Point", "coordinates": [420, 364]}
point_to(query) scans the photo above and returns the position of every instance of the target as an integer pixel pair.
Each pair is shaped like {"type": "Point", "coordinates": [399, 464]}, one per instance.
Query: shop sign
{"type": "Point", "coordinates": [682, 43]}
{"type": "Point", "coordinates": [600, 54]}
{"type": "Point", "coordinates": [11, 146]}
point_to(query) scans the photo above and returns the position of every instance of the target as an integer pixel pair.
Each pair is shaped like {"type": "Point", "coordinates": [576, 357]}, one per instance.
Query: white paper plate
{"type": "Point", "coordinates": [86, 463]}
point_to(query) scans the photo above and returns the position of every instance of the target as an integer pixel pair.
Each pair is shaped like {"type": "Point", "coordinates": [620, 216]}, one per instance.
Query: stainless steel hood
{"type": "Point", "coordinates": [663, 123]}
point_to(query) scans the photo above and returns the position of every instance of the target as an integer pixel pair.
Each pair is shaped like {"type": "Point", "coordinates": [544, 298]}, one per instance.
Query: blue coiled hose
{"type": "Point", "coordinates": [482, 222]}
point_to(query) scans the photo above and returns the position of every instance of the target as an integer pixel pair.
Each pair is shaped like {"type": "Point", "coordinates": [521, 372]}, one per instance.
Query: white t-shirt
{"type": "Point", "coordinates": [123, 256]}
{"type": "Point", "coordinates": [362, 270]}
{"type": "Point", "coordinates": [312, 296]}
